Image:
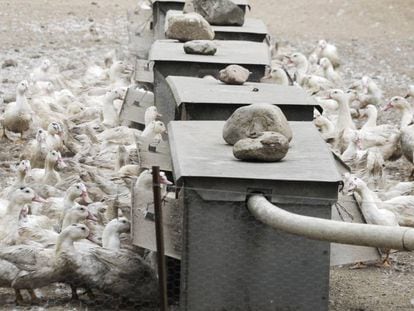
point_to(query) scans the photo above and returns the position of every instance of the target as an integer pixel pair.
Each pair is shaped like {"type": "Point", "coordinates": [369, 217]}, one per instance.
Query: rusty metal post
{"type": "Point", "coordinates": [159, 232]}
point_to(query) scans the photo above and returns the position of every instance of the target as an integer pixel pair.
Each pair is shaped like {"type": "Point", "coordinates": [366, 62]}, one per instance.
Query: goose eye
{"type": "Point", "coordinates": [82, 209]}
{"type": "Point", "coordinates": [21, 188]}
{"type": "Point", "coordinates": [27, 191]}
{"type": "Point", "coordinates": [124, 221]}
{"type": "Point", "coordinates": [77, 187]}
{"type": "Point", "coordinates": [83, 229]}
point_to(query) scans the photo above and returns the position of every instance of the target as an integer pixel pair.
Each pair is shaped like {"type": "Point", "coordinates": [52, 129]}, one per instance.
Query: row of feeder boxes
{"type": "Point", "coordinates": [229, 260]}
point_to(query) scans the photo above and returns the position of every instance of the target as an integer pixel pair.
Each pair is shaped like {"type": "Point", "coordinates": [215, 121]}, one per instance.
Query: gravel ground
{"type": "Point", "coordinates": [375, 37]}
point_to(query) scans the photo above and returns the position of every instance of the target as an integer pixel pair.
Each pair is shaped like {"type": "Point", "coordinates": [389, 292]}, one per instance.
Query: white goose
{"type": "Point", "coordinates": [49, 175]}
{"type": "Point", "coordinates": [276, 75]}
{"type": "Point", "coordinates": [121, 273]}
{"type": "Point", "coordinates": [111, 234]}
{"type": "Point", "coordinates": [22, 170]}
{"type": "Point", "coordinates": [344, 124]}
{"type": "Point", "coordinates": [109, 112]}
{"type": "Point", "coordinates": [329, 72]}
{"type": "Point", "coordinates": [18, 116]}
{"type": "Point", "coordinates": [368, 203]}
{"type": "Point", "coordinates": [9, 223]}
{"type": "Point", "coordinates": [36, 266]}
{"type": "Point", "coordinates": [301, 64]}
{"type": "Point", "coordinates": [151, 114]}
{"type": "Point", "coordinates": [328, 50]}
{"type": "Point", "coordinates": [54, 138]}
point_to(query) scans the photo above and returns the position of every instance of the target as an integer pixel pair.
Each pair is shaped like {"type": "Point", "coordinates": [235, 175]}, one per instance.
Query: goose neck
{"type": "Point", "coordinates": [372, 119]}
{"type": "Point", "coordinates": [406, 118]}
{"type": "Point", "coordinates": [64, 244]}
{"type": "Point", "coordinates": [110, 239]}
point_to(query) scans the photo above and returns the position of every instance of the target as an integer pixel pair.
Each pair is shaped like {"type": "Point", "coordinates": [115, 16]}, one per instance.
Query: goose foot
{"type": "Point", "coordinates": [90, 294]}
{"type": "Point", "coordinates": [75, 296]}
{"type": "Point", "coordinates": [19, 298]}
{"type": "Point", "coordinates": [386, 263]}
{"type": "Point", "coordinates": [33, 298]}
{"type": "Point", "coordinates": [358, 265]}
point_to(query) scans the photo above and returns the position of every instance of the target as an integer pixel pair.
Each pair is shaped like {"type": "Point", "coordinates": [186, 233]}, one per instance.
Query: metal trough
{"type": "Point", "coordinates": [161, 7]}
{"type": "Point", "coordinates": [206, 99]}
{"type": "Point", "coordinates": [231, 261]}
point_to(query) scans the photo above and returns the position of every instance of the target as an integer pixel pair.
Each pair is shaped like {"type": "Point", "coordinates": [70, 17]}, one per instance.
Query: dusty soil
{"type": "Point", "coordinates": [375, 37]}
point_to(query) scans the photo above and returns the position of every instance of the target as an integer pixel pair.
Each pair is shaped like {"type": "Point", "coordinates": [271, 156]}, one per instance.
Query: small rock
{"type": "Point", "coordinates": [255, 118]}
{"type": "Point", "coordinates": [220, 12]}
{"type": "Point", "coordinates": [94, 3]}
{"type": "Point", "coordinates": [9, 63]}
{"type": "Point", "coordinates": [265, 146]}
{"type": "Point", "coordinates": [187, 27]}
{"type": "Point", "coordinates": [234, 74]}
{"type": "Point", "coordinates": [203, 47]}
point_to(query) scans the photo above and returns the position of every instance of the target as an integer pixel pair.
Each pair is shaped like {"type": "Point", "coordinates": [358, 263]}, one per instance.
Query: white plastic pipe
{"type": "Point", "coordinates": [399, 238]}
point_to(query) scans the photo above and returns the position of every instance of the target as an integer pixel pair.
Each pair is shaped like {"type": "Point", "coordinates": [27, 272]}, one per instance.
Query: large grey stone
{"type": "Point", "coordinates": [219, 12]}
{"type": "Point", "coordinates": [265, 146]}
{"type": "Point", "coordinates": [203, 47]}
{"type": "Point", "coordinates": [255, 118]}
{"type": "Point", "coordinates": [187, 27]}
{"type": "Point", "coordinates": [234, 74]}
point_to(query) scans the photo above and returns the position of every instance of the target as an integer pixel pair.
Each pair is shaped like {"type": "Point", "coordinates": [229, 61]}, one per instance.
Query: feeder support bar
{"type": "Point", "coordinates": [399, 238]}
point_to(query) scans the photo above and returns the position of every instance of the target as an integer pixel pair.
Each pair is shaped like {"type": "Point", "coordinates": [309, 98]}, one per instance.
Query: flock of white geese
{"type": "Point", "coordinates": [65, 217]}
{"type": "Point", "coordinates": [348, 122]}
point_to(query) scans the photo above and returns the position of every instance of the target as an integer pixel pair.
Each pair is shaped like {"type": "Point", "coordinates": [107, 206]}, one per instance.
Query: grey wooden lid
{"type": "Point", "coordinates": [197, 90]}
{"type": "Point", "coordinates": [228, 52]}
{"type": "Point", "coordinates": [238, 2]}
{"type": "Point", "coordinates": [251, 25]}
{"type": "Point", "coordinates": [198, 150]}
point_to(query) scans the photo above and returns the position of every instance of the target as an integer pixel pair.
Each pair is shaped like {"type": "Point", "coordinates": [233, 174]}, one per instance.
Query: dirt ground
{"type": "Point", "coordinates": [374, 37]}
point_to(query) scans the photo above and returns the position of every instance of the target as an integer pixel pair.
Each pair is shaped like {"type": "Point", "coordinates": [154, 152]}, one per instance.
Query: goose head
{"type": "Point", "coordinates": [159, 127]}
{"type": "Point", "coordinates": [365, 81]}
{"type": "Point", "coordinates": [120, 225]}
{"type": "Point", "coordinates": [351, 184]}
{"type": "Point", "coordinates": [325, 63]}
{"type": "Point", "coordinates": [25, 195]}
{"type": "Point", "coordinates": [119, 93]}
{"type": "Point", "coordinates": [356, 139]}
{"type": "Point", "coordinates": [336, 94]}
{"type": "Point", "coordinates": [120, 68]}
{"type": "Point", "coordinates": [397, 102]}
{"type": "Point", "coordinates": [45, 65]}
{"type": "Point", "coordinates": [352, 94]}
{"type": "Point", "coordinates": [78, 190]}
{"type": "Point", "coordinates": [77, 214]}
{"type": "Point", "coordinates": [40, 136]}
{"type": "Point", "coordinates": [55, 128]}
{"type": "Point", "coordinates": [145, 179]}
{"type": "Point", "coordinates": [297, 59]}
{"type": "Point", "coordinates": [152, 113]}
{"type": "Point", "coordinates": [54, 157]}
{"type": "Point", "coordinates": [49, 87]}
{"type": "Point", "coordinates": [22, 87]}
{"type": "Point", "coordinates": [23, 168]}
{"type": "Point", "coordinates": [322, 44]}
{"type": "Point", "coordinates": [368, 111]}
{"type": "Point", "coordinates": [75, 232]}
